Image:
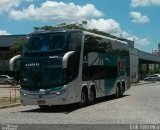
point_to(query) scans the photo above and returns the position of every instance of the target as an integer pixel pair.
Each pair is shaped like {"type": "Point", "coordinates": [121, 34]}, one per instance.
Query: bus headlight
{"type": "Point", "coordinates": [63, 90]}
{"type": "Point", "coordinates": [24, 94]}
{"type": "Point", "coordinates": [58, 93]}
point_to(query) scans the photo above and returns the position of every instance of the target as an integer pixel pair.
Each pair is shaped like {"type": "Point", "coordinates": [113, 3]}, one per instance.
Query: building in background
{"type": "Point", "coordinates": [6, 41]}
{"type": "Point", "coordinates": [156, 51]}
{"type": "Point", "coordinates": [138, 58]}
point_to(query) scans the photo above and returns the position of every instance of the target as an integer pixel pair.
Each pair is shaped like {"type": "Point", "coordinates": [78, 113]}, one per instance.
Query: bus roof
{"type": "Point", "coordinates": [55, 30]}
{"type": "Point", "coordinates": [102, 36]}
{"type": "Point", "coordinates": [124, 41]}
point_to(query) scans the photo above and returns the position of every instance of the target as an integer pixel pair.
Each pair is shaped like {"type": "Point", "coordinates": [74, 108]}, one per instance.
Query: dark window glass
{"type": "Point", "coordinates": [41, 77]}
{"type": "Point", "coordinates": [154, 76]}
{"type": "Point", "coordinates": [52, 75]}
{"type": "Point", "coordinates": [3, 77]}
{"type": "Point", "coordinates": [99, 72]}
{"type": "Point", "coordinates": [96, 44]}
{"type": "Point", "coordinates": [75, 41]}
{"type": "Point", "coordinates": [56, 42]}
{"type": "Point", "coordinates": [73, 66]}
{"type": "Point", "coordinates": [46, 42]}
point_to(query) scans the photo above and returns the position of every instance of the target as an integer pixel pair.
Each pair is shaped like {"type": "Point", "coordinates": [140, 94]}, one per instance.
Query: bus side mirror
{"type": "Point", "coordinates": [12, 62]}
{"type": "Point", "coordinates": [65, 58]}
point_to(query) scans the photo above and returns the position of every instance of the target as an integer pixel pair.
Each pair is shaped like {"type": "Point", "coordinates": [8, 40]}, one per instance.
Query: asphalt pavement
{"type": "Point", "coordinates": [9, 94]}
{"type": "Point", "coordinates": [138, 109]}
{"type": "Point", "coordinates": [139, 105]}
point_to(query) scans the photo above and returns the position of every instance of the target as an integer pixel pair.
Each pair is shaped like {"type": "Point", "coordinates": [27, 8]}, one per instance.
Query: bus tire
{"type": "Point", "coordinates": [92, 97]}
{"type": "Point", "coordinates": [83, 101]}
{"type": "Point", "coordinates": [122, 91]}
{"type": "Point", "coordinates": [118, 92]}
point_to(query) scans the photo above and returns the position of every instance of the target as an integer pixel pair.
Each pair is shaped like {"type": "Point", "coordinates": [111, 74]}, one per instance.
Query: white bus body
{"type": "Point", "coordinates": [86, 66]}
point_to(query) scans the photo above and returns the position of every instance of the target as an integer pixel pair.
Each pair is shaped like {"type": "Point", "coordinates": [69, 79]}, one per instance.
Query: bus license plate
{"type": "Point", "coordinates": [41, 102]}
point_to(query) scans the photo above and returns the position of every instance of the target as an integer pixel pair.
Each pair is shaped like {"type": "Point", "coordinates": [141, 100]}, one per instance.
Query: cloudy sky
{"type": "Point", "coordinates": [137, 20]}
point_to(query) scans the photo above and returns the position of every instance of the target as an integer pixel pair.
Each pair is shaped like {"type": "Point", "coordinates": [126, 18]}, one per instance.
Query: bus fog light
{"type": "Point", "coordinates": [61, 92]}
{"type": "Point", "coordinates": [24, 94]}
{"type": "Point", "coordinates": [58, 93]}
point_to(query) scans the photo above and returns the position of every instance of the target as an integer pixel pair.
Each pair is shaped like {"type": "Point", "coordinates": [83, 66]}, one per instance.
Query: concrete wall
{"type": "Point", "coordinates": [134, 65]}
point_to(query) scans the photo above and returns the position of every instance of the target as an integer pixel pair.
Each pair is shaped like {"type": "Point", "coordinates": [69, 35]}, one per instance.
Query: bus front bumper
{"type": "Point", "coordinates": [31, 98]}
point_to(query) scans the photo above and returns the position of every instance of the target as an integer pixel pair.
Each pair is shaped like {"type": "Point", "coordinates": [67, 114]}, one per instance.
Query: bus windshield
{"type": "Point", "coordinates": [43, 76]}
{"type": "Point", "coordinates": [46, 42]}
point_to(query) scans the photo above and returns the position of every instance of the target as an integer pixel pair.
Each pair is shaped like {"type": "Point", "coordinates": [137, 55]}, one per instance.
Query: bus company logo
{"type": "Point", "coordinates": [121, 64]}
{"type": "Point", "coordinates": [56, 57]}
{"type": "Point", "coordinates": [9, 127]}
{"type": "Point", "coordinates": [31, 64]}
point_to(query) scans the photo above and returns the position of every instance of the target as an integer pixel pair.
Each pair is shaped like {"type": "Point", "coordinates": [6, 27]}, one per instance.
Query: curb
{"type": "Point", "coordinates": [136, 84]}
{"type": "Point", "coordinates": [11, 105]}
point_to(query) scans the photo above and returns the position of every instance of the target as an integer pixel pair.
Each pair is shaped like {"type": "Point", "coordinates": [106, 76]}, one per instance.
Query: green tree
{"type": "Point", "coordinates": [77, 25]}
{"type": "Point", "coordinates": [16, 48]}
{"type": "Point", "coordinates": [36, 28]}
{"type": "Point", "coordinates": [144, 68]}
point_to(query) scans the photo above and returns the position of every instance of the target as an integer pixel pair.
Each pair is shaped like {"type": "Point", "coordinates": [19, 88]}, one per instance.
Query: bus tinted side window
{"type": "Point", "coordinates": [75, 41]}
{"type": "Point", "coordinates": [96, 44]}
{"type": "Point", "coordinates": [99, 72]}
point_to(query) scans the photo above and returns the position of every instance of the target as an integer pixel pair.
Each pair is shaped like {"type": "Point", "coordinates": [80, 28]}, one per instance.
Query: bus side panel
{"type": "Point", "coordinates": [105, 63]}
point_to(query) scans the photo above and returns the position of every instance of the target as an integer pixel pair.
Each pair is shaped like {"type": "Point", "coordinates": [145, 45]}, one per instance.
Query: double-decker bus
{"type": "Point", "coordinates": [67, 66]}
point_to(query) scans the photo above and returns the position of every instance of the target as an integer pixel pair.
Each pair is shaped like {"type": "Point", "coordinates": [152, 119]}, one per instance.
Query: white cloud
{"type": "Point", "coordinates": [56, 11]}
{"type": "Point", "coordinates": [4, 32]}
{"type": "Point", "coordinates": [143, 3]}
{"type": "Point", "coordinates": [106, 25]}
{"type": "Point", "coordinates": [113, 27]}
{"type": "Point", "coordinates": [70, 12]}
{"type": "Point", "coordinates": [140, 43]}
{"type": "Point", "coordinates": [6, 5]}
{"type": "Point", "coordinates": [139, 18]}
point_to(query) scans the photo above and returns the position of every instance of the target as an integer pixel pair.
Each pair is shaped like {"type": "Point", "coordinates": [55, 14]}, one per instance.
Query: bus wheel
{"type": "Point", "coordinates": [83, 101]}
{"type": "Point", "coordinates": [91, 97]}
{"type": "Point", "coordinates": [43, 106]}
{"type": "Point", "coordinates": [118, 92]}
{"type": "Point", "coordinates": [122, 91]}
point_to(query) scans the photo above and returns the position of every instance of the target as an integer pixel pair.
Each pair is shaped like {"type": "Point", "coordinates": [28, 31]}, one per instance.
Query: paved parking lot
{"type": "Point", "coordinates": [139, 105]}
